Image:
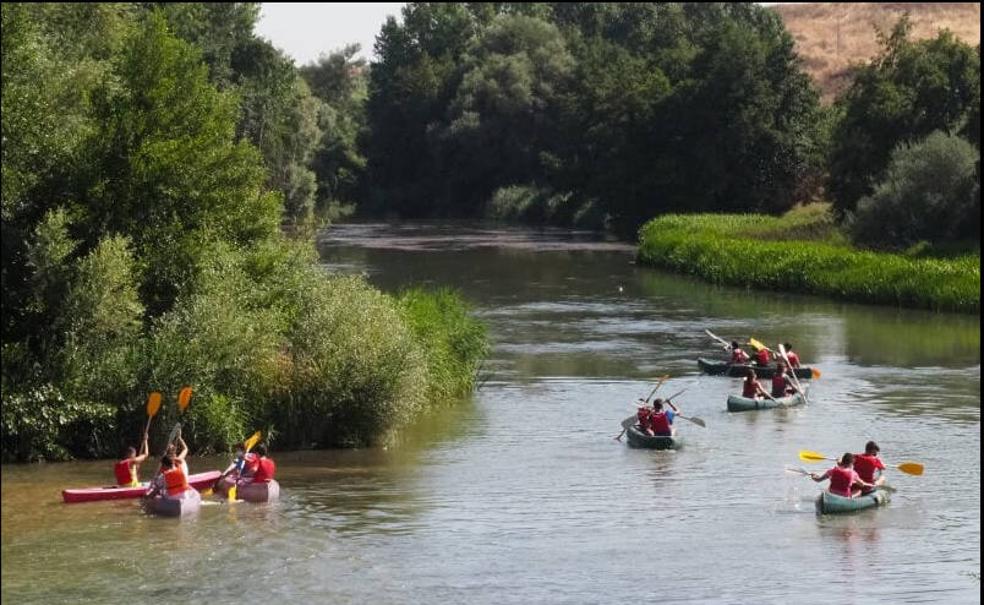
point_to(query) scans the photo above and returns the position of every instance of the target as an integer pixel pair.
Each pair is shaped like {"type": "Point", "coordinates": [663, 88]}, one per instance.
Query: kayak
{"type": "Point", "coordinates": [828, 503]}
{"type": "Point", "coordinates": [187, 503]}
{"type": "Point", "coordinates": [256, 493]}
{"type": "Point", "coordinates": [653, 442]}
{"type": "Point", "coordinates": [718, 368]}
{"type": "Point", "coordinates": [744, 404]}
{"type": "Point", "coordinates": [199, 481]}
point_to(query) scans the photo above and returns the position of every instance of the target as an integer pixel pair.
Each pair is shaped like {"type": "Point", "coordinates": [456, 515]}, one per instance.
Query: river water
{"type": "Point", "coordinates": [520, 494]}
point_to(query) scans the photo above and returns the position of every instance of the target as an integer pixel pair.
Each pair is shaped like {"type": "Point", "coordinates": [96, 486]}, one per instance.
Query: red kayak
{"type": "Point", "coordinates": [91, 494]}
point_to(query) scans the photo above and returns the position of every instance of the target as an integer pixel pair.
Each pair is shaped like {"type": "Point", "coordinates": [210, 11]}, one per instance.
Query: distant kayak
{"type": "Point", "coordinates": [745, 404]}
{"type": "Point", "coordinates": [719, 368]}
{"type": "Point", "coordinates": [828, 503]}
{"type": "Point", "coordinates": [199, 481]}
{"type": "Point", "coordinates": [188, 503]}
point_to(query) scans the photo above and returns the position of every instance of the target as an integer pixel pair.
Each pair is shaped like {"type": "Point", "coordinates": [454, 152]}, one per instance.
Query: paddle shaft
{"type": "Point", "coordinates": [792, 372]}
{"type": "Point", "coordinates": [723, 342]}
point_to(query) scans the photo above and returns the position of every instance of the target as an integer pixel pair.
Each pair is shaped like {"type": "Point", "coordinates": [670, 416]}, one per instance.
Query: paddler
{"type": "Point", "coordinates": [794, 359]}
{"type": "Point", "coordinates": [126, 469]}
{"type": "Point", "coordinates": [763, 357]}
{"type": "Point", "coordinates": [844, 480]}
{"type": "Point", "coordinates": [738, 356]}
{"type": "Point", "coordinates": [642, 416]}
{"type": "Point", "coordinates": [751, 388]}
{"type": "Point", "coordinates": [172, 481]}
{"type": "Point", "coordinates": [265, 467]}
{"type": "Point", "coordinates": [869, 466]}
{"type": "Point", "coordinates": [781, 385]}
{"type": "Point", "coordinates": [179, 458]}
{"type": "Point", "coordinates": [660, 421]}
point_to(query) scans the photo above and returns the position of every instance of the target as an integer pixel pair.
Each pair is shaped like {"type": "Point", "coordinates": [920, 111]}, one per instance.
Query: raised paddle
{"type": "Point", "coordinates": [724, 343]}
{"type": "Point", "coordinates": [628, 421]}
{"type": "Point", "coordinates": [909, 468]}
{"type": "Point", "coordinates": [184, 399]}
{"type": "Point", "coordinates": [153, 404]}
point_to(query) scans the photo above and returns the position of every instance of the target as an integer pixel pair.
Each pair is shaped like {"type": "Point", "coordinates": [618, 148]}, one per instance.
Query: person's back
{"type": "Point", "coordinates": [843, 478]}
{"type": "Point", "coordinates": [127, 468]}
{"type": "Point", "coordinates": [868, 465]}
{"type": "Point", "coordinates": [762, 357]}
{"type": "Point", "coordinates": [265, 467]}
{"type": "Point", "coordinates": [738, 356]}
{"type": "Point", "coordinates": [794, 359]}
{"type": "Point", "coordinates": [661, 420]}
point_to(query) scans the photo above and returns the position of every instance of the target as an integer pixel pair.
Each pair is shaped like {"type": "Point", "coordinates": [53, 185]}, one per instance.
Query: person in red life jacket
{"type": "Point", "coordinates": [794, 359]}
{"type": "Point", "coordinates": [763, 357]}
{"type": "Point", "coordinates": [661, 422]}
{"type": "Point", "coordinates": [172, 481]}
{"type": "Point", "coordinates": [251, 462]}
{"type": "Point", "coordinates": [643, 416]}
{"type": "Point", "coordinates": [750, 387]}
{"type": "Point", "coordinates": [179, 458]}
{"type": "Point", "coordinates": [869, 466]}
{"type": "Point", "coordinates": [265, 467]}
{"type": "Point", "coordinates": [738, 356]}
{"type": "Point", "coordinates": [781, 385]}
{"type": "Point", "coordinates": [844, 480]}
{"type": "Point", "coordinates": [126, 469]}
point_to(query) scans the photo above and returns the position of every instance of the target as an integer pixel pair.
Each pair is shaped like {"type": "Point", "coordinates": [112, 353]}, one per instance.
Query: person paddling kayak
{"type": "Point", "coordinates": [172, 482]}
{"type": "Point", "coordinates": [869, 466]}
{"type": "Point", "coordinates": [179, 458]}
{"type": "Point", "coordinates": [661, 421]}
{"type": "Point", "coordinates": [126, 469]}
{"type": "Point", "coordinates": [844, 480]}
{"type": "Point", "coordinates": [738, 356]}
{"type": "Point", "coordinates": [781, 385]}
{"type": "Point", "coordinates": [751, 388]}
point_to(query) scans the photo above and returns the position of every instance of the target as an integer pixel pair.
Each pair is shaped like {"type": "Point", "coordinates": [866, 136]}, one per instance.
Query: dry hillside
{"type": "Point", "coordinates": [831, 36]}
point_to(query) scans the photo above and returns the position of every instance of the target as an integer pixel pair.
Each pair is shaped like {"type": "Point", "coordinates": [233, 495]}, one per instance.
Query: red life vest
{"type": "Point", "coordinates": [865, 466]}
{"type": "Point", "coordinates": [778, 385]}
{"type": "Point", "coordinates": [643, 417]}
{"type": "Point", "coordinates": [763, 357]}
{"type": "Point", "coordinates": [794, 359]}
{"type": "Point", "coordinates": [841, 480]}
{"type": "Point", "coordinates": [739, 356]}
{"type": "Point", "coordinates": [175, 481]}
{"type": "Point", "coordinates": [126, 475]}
{"type": "Point", "coordinates": [749, 388]}
{"type": "Point", "coordinates": [660, 424]}
{"type": "Point", "coordinates": [252, 462]}
{"type": "Point", "coordinates": [265, 471]}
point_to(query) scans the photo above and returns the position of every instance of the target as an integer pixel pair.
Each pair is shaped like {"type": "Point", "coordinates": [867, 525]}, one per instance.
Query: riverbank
{"type": "Point", "coordinates": [804, 252]}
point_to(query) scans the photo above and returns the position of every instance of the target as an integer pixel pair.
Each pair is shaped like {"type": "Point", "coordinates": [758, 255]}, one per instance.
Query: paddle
{"type": "Point", "coordinates": [724, 343]}
{"type": "Point", "coordinates": [792, 372]}
{"type": "Point", "coordinates": [253, 440]}
{"type": "Point", "coordinates": [153, 404]}
{"type": "Point", "coordinates": [184, 399]}
{"type": "Point", "coordinates": [803, 471]}
{"type": "Point", "coordinates": [659, 383]}
{"type": "Point", "coordinates": [909, 468]}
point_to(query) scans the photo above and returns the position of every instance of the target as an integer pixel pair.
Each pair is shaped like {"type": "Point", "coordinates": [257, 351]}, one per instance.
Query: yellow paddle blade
{"type": "Point", "coordinates": [758, 345]}
{"type": "Point", "coordinates": [232, 493]}
{"type": "Point", "coordinates": [253, 440]}
{"type": "Point", "coordinates": [184, 398]}
{"type": "Point", "coordinates": [911, 468]}
{"type": "Point", "coordinates": [815, 372]}
{"type": "Point", "coordinates": [153, 403]}
{"type": "Point", "coordinates": [808, 456]}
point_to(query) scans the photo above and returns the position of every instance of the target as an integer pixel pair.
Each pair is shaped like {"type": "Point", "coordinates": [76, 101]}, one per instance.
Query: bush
{"type": "Point", "coordinates": [928, 194]}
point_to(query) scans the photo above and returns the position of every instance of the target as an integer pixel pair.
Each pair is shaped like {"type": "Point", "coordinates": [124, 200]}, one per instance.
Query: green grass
{"type": "Point", "coordinates": [804, 252]}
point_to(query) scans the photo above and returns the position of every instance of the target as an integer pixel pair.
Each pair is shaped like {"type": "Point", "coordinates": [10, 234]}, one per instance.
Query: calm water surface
{"type": "Point", "coordinates": [520, 494]}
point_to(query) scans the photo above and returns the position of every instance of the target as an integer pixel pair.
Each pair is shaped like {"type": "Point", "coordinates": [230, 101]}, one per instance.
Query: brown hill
{"type": "Point", "coordinates": [831, 36]}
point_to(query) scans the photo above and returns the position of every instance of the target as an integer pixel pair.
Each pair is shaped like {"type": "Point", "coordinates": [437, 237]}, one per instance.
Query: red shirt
{"type": "Point", "coordinates": [749, 388]}
{"type": "Point", "coordinates": [778, 385]}
{"type": "Point", "coordinates": [763, 357]}
{"type": "Point", "coordinates": [264, 471]}
{"type": "Point", "coordinates": [739, 356]}
{"type": "Point", "coordinates": [841, 480]}
{"type": "Point", "coordinates": [866, 466]}
{"type": "Point", "coordinates": [661, 424]}
{"type": "Point", "coordinates": [794, 359]}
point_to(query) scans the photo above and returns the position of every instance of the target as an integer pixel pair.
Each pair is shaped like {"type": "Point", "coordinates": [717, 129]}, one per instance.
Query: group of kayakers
{"type": "Point", "coordinates": [656, 420]}
{"type": "Point", "coordinates": [782, 385]}
{"type": "Point", "coordinates": [171, 480]}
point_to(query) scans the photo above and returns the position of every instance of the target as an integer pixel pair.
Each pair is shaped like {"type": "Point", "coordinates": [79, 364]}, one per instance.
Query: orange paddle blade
{"type": "Point", "coordinates": [153, 403]}
{"type": "Point", "coordinates": [810, 456]}
{"type": "Point", "coordinates": [816, 373]}
{"type": "Point", "coordinates": [184, 398]}
{"type": "Point", "coordinates": [911, 468]}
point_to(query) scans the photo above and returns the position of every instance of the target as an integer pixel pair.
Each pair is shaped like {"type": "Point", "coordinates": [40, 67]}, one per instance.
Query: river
{"type": "Point", "coordinates": [520, 494]}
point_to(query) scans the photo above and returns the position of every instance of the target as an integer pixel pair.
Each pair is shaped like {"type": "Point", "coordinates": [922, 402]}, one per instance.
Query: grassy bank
{"type": "Point", "coordinates": [803, 252]}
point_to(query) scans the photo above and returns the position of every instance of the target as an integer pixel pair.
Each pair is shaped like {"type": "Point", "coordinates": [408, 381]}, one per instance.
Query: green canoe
{"type": "Point", "coordinates": [718, 368]}
{"type": "Point", "coordinates": [653, 442]}
{"type": "Point", "coordinates": [830, 504]}
{"type": "Point", "coordinates": [744, 404]}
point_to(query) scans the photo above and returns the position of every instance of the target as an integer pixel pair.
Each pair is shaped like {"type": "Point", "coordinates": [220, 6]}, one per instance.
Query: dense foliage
{"type": "Point", "coordinates": [617, 110]}
{"type": "Point", "coordinates": [757, 251]}
{"type": "Point", "coordinates": [145, 181]}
